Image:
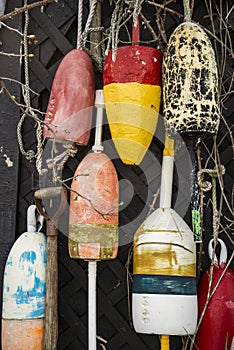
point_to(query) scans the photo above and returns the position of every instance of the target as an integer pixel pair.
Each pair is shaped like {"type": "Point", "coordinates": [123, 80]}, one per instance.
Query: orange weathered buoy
{"type": "Point", "coordinates": [93, 225]}
{"type": "Point", "coordinates": [132, 93]}
{"type": "Point", "coordinates": [69, 112]}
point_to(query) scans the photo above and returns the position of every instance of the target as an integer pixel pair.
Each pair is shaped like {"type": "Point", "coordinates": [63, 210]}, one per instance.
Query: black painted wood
{"type": "Point", "coordinates": [9, 155]}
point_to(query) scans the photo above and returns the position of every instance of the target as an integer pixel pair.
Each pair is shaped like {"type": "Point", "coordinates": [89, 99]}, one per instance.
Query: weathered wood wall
{"type": "Point", "coordinates": [9, 156]}
{"type": "Point", "coordinates": [55, 29]}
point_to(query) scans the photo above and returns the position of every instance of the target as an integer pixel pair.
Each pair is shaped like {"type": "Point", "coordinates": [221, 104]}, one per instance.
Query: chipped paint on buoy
{"type": "Point", "coordinates": [24, 293]}
{"type": "Point", "coordinates": [93, 223]}
{"type": "Point", "coordinates": [190, 82]}
{"type": "Point", "coordinates": [8, 161]}
{"type": "Point", "coordinates": [164, 276]}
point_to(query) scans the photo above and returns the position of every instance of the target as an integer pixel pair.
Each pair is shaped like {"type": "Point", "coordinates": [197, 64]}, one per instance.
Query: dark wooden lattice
{"type": "Point", "coordinates": [55, 29]}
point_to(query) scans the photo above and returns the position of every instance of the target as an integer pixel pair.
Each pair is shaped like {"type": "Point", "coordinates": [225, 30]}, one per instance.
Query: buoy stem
{"type": "Point", "coordinates": [92, 267]}
{"type": "Point", "coordinates": [136, 32]}
{"type": "Point", "coordinates": [165, 342]}
{"type": "Point", "coordinates": [99, 104]}
{"type": "Point", "coordinates": [167, 173]}
{"type": "Point", "coordinates": [187, 10]}
{"type": "Point", "coordinates": [31, 219]}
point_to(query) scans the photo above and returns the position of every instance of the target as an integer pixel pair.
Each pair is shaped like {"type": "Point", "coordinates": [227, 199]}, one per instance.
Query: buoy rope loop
{"type": "Point", "coordinates": [206, 186]}
{"type": "Point", "coordinates": [30, 154]}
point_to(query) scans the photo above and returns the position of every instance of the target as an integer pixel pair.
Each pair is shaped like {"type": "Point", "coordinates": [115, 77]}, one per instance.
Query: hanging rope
{"type": "Point", "coordinates": [82, 37]}
{"type": "Point", "coordinates": [79, 27]}
{"type": "Point", "coordinates": [136, 11]}
{"type": "Point", "coordinates": [207, 186]}
{"type": "Point", "coordinates": [30, 154]}
{"type": "Point", "coordinates": [57, 163]}
{"type": "Point", "coordinates": [89, 21]}
{"type": "Point", "coordinates": [115, 26]}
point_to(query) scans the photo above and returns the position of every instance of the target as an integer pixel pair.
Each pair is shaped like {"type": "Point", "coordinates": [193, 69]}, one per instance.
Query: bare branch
{"type": "Point", "coordinates": [22, 9]}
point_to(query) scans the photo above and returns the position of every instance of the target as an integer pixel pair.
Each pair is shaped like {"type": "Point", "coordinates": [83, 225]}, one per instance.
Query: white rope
{"type": "Point", "coordinates": [30, 154]}
{"type": "Point", "coordinates": [115, 25]}
{"type": "Point", "coordinates": [89, 21]}
{"type": "Point", "coordinates": [79, 27]}
{"type": "Point", "coordinates": [136, 11]}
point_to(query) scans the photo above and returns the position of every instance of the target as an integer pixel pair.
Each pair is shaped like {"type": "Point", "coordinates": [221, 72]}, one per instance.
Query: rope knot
{"type": "Point", "coordinates": [30, 154]}
{"type": "Point", "coordinates": [206, 186]}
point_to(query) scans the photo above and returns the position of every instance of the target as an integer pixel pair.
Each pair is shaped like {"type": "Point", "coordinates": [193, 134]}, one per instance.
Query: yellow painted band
{"type": "Point", "coordinates": [132, 111]}
{"type": "Point", "coordinates": [146, 95]}
{"type": "Point", "coordinates": [168, 147]}
{"type": "Point", "coordinates": [147, 261]}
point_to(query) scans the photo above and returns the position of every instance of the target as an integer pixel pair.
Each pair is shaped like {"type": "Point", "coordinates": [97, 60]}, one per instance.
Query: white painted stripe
{"type": "Point", "coordinates": [164, 314]}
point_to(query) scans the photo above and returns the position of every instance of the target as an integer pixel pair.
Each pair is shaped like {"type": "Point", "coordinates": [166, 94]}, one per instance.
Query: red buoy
{"type": "Point", "coordinates": [93, 225]}
{"type": "Point", "coordinates": [69, 111]}
{"type": "Point", "coordinates": [217, 328]}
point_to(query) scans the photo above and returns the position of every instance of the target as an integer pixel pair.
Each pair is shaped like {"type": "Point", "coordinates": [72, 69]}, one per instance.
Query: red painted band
{"type": "Point", "coordinates": [141, 64]}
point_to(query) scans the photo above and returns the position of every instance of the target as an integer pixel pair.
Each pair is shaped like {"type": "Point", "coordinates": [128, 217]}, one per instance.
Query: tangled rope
{"type": "Point", "coordinates": [120, 13]}
{"type": "Point", "coordinates": [82, 36]}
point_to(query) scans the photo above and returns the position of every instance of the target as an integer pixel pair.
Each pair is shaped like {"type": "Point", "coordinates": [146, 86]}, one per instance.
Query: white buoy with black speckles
{"type": "Point", "coordinates": [190, 82]}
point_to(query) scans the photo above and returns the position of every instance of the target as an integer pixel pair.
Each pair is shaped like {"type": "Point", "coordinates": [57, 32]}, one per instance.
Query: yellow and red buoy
{"type": "Point", "coordinates": [93, 224]}
{"type": "Point", "coordinates": [132, 93]}
{"type": "Point", "coordinates": [69, 112]}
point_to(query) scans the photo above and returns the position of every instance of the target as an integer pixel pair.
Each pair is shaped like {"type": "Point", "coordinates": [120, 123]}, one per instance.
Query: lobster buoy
{"type": "Point", "coordinates": [216, 330]}
{"type": "Point", "coordinates": [24, 288]}
{"type": "Point", "coordinates": [164, 267]}
{"type": "Point", "coordinates": [190, 82]}
{"type": "Point", "coordinates": [93, 223]}
{"type": "Point", "coordinates": [191, 96]}
{"type": "Point", "coordinates": [132, 93]}
{"type": "Point", "coordinates": [69, 112]}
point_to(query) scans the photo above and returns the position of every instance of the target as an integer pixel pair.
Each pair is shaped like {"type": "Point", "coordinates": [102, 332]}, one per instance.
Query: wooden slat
{"type": "Point", "coordinates": [41, 72]}
{"type": "Point", "coordinates": [51, 30]}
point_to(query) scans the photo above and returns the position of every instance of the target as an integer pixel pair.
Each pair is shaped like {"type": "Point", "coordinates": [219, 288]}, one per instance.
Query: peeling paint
{"type": "Point", "coordinates": [24, 278]}
{"type": "Point", "coordinates": [8, 161]}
